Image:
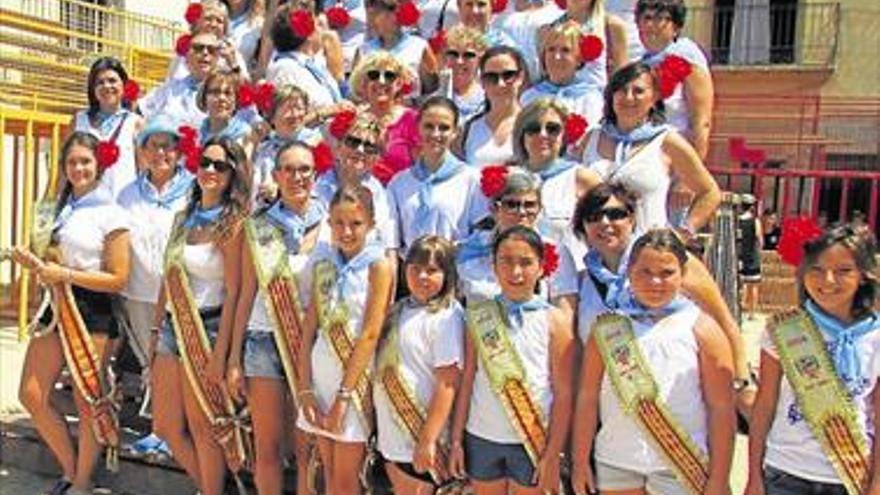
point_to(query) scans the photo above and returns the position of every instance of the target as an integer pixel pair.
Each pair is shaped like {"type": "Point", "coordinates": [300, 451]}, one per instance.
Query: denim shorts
{"type": "Point", "coordinates": [491, 461]}
{"type": "Point", "coordinates": [261, 358]}
{"type": "Point", "coordinates": [167, 343]}
{"type": "Point", "coordinates": [778, 482]}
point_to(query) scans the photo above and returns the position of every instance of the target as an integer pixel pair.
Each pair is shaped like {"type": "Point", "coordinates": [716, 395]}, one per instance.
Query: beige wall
{"type": "Point", "coordinates": [857, 73]}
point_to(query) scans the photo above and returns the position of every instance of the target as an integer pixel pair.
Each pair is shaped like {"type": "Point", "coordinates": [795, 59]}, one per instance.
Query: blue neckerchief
{"type": "Point", "coordinates": [477, 245]}
{"type": "Point", "coordinates": [100, 195]}
{"type": "Point", "coordinates": [450, 166]}
{"type": "Point", "coordinates": [516, 310]}
{"type": "Point", "coordinates": [200, 217]}
{"type": "Point", "coordinates": [177, 188]}
{"type": "Point", "coordinates": [846, 356]}
{"type": "Point", "coordinates": [235, 129]}
{"type": "Point", "coordinates": [107, 122]}
{"type": "Point", "coordinates": [555, 168]}
{"type": "Point", "coordinates": [292, 224]}
{"type": "Point", "coordinates": [191, 83]}
{"type": "Point", "coordinates": [471, 105]}
{"type": "Point", "coordinates": [577, 88]}
{"type": "Point", "coordinates": [637, 311]}
{"type": "Point", "coordinates": [238, 20]}
{"type": "Point", "coordinates": [348, 5]}
{"type": "Point", "coordinates": [616, 283]}
{"type": "Point", "coordinates": [625, 141]}
{"type": "Point", "coordinates": [496, 37]}
{"type": "Point", "coordinates": [345, 269]}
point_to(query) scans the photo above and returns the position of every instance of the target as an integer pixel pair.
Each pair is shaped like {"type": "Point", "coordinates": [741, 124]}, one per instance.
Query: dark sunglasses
{"type": "Point", "coordinates": [386, 76]}
{"type": "Point", "coordinates": [457, 55]}
{"type": "Point", "coordinates": [495, 78]}
{"type": "Point", "coordinates": [199, 47]}
{"type": "Point", "coordinates": [361, 145]}
{"type": "Point", "coordinates": [612, 214]}
{"type": "Point", "coordinates": [552, 129]}
{"type": "Point", "coordinates": [517, 205]}
{"type": "Point", "coordinates": [220, 166]}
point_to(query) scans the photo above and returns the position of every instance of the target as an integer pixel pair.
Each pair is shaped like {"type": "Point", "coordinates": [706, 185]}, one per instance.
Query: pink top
{"type": "Point", "coordinates": [401, 144]}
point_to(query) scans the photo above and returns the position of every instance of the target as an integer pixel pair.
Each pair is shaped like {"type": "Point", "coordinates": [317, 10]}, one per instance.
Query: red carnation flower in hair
{"type": "Point", "coordinates": [551, 259]}
{"type": "Point", "coordinates": [107, 154]}
{"type": "Point", "coordinates": [341, 123]}
{"type": "Point", "coordinates": [192, 158]}
{"type": "Point", "coordinates": [383, 171]}
{"type": "Point", "coordinates": [130, 91]}
{"type": "Point", "coordinates": [193, 13]}
{"type": "Point", "coordinates": [181, 46]}
{"type": "Point", "coordinates": [438, 41]}
{"type": "Point", "coordinates": [187, 132]}
{"type": "Point", "coordinates": [672, 71]}
{"type": "Point", "coordinates": [407, 13]}
{"type": "Point", "coordinates": [575, 127]}
{"type": "Point", "coordinates": [338, 17]}
{"type": "Point", "coordinates": [407, 86]}
{"type": "Point", "coordinates": [796, 232]}
{"type": "Point", "coordinates": [493, 179]}
{"type": "Point", "coordinates": [562, 4]}
{"type": "Point", "coordinates": [264, 96]}
{"type": "Point", "coordinates": [302, 23]}
{"type": "Point", "coordinates": [323, 157]}
{"type": "Point", "coordinates": [591, 47]}
{"type": "Point", "coordinates": [245, 95]}
{"type": "Point", "coordinates": [499, 6]}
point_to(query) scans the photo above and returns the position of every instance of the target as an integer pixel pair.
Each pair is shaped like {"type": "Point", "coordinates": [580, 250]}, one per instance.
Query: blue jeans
{"type": "Point", "coordinates": [777, 482]}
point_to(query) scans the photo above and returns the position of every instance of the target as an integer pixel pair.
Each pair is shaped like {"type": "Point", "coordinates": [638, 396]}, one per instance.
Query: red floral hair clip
{"type": "Point", "coordinates": [107, 154]}
{"type": "Point", "coordinates": [493, 179]}
{"type": "Point", "coordinates": [383, 171]}
{"type": "Point", "coordinates": [407, 13]}
{"type": "Point", "coordinates": [438, 41]}
{"type": "Point", "coordinates": [181, 46]}
{"type": "Point", "coordinates": [590, 46]}
{"type": "Point", "coordinates": [562, 4]}
{"type": "Point", "coordinates": [323, 156]}
{"type": "Point", "coordinates": [246, 95]}
{"type": "Point", "coordinates": [550, 261]}
{"type": "Point", "coordinates": [302, 23]}
{"type": "Point", "coordinates": [260, 95]}
{"type": "Point", "coordinates": [499, 6]}
{"type": "Point", "coordinates": [575, 128]}
{"type": "Point", "coordinates": [130, 91]}
{"type": "Point", "coordinates": [671, 72]}
{"type": "Point", "coordinates": [341, 123]}
{"type": "Point", "coordinates": [338, 17]}
{"type": "Point", "coordinates": [189, 148]}
{"type": "Point", "coordinates": [796, 232]}
{"type": "Point", "coordinates": [193, 13]}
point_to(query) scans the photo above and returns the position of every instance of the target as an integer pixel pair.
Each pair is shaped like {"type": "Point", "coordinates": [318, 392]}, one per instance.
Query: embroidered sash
{"type": "Point", "coordinates": [279, 288]}
{"type": "Point", "coordinates": [507, 375]}
{"type": "Point", "coordinates": [228, 427]}
{"type": "Point", "coordinates": [84, 364]}
{"type": "Point", "coordinates": [822, 396]}
{"type": "Point", "coordinates": [333, 323]}
{"type": "Point", "coordinates": [637, 391]}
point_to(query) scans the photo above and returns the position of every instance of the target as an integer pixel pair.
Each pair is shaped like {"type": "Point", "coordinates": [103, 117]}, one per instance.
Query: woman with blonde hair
{"type": "Point", "coordinates": [464, 48]}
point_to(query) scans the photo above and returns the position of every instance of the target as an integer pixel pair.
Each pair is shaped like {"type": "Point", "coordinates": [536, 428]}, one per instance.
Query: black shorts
{"type": "Point", "coordinates": [410, 471]}
{"type": "Point", "coordinates": [96, 309]}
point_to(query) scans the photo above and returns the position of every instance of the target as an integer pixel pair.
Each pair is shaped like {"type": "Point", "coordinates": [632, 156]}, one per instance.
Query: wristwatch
{"type": "Point", "coordinates": [740, 384]}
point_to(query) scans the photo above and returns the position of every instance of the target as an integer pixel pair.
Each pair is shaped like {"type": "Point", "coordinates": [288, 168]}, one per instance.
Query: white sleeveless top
{"type": "Point", "coordinates": [590, 306]}
{"type": "Point", "coordinates": [204, 267]}
{"type": "Point", "coordinates": [626, 11]}
{"type": "Point", "coordinates": [672, 353]}
{"type": "Point", "coordinates": [408, 51]}
{"type": "Point", "coordinates": [124, 171]}
{"type": "Point", "coordinates": [481, 149]}
{"type": "Point", "coordinates": [645, 172]}
{"type": "Point", "coordinates": [260, 320]}
{"type": "Point", "coordinates": [487, 418]}
{"type": "Point", "coordinates": [353, 35]}
{"type": "Point", "coordinates": [431, 11]}
{"type": "Point", "coordinates": [677, 111]}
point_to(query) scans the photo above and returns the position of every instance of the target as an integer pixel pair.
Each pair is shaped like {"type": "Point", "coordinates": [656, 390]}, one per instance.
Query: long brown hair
{"type": "Point", "coordinates": [236, 196]}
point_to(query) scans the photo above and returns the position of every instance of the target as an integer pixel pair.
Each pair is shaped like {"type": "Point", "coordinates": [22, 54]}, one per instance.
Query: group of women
{"type": "Point", "coordinates": [482, 276]}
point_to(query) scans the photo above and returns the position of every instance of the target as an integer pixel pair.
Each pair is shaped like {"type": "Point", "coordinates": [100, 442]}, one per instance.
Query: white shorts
{"type": "Point", "coordinates": [656, 483]}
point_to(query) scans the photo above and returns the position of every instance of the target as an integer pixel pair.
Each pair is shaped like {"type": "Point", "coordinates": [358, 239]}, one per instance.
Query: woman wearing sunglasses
{"type": "Point", "coordinates": [379, 82]}
{"type": "Point", "coordinates": [464, 47]}
{"type": "Point", "coordinates": [206, 244]}
{"type": "Point", "coordinates": [636, 148]}
{"type": "Point", "coordinates": [214, 20]}
{"type": "Point", "coordinates": [412, 51]}
{"type": "Point", "coordinates": [488, 137]}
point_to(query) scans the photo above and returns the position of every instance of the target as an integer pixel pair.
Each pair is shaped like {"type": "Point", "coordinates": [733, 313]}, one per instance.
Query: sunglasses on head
{"type": "Point", "coordinates": [386, 76]}
{"type": "Point", "coordinates": [517, 205]}
{"type": "Point", "coordinates": [551, 129]}
{"type": "Point", "coordinates": [495, 78]}
{"type": "Point", "coordinates": [457, 55]}
{"type": "Point", "coordinates": [361, 145]}
{"type": "Point", "coordinates": [612, 214]}
{"type": "Point", "coordinates": [220, 166]}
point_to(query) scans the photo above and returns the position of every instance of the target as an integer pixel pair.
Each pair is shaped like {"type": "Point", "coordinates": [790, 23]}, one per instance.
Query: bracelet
{"type": "Point", "coordinates": [303, 393]}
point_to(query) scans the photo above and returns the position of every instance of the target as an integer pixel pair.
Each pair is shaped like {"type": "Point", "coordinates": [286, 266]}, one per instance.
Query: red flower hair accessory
{"type": "Point", "coordinates": [383, 171]}
{"type": "Point", "coordinates": [191, 159]}
{"type": "Point", "coordinates": [107, 154]}
{"type": "Point", "coordinates": [550, 261]}
{"type": "Point", "coordinates": [338, 17]}
{"type": "Point", "coordinates": [245, 95]}
{"type": "Point", "coordinates": [193, 13]}
{"type": "Point", "coordinates": [591, 47]}
{"type": "Point", "coordinates": [438, 41]}
{"type": "Point", "coordinates": [796, 232]}
{"type": "Point", "coordinates": [407, 86]}
{"type": "Point", "coordinates": [575, 128]}
{"type": "Point", "coordinates": [302, 24]}
{"type": "Point", "coordinates": [672, 71]}
{"type": "Point", "coordinates": [562, 4]}
{"type": "Point", "coordinates": [189, 148]}
{"type": "Point", "coordinates": [130, 91]}
{"type": "Point", "coordinates": [341, 123]}
{"type": "Point", "coordinates": [499, 6]}
{"type": "Point", "coordinates": [323, 156]}
{"type": "Point", "coordinates": [181, 46]}
{"type": "Point", "coordinates": [492, 180]}
{"type": "Point", "coordinates": [264, 96]}
{"type": "Point", "coordinates": [407, 13]}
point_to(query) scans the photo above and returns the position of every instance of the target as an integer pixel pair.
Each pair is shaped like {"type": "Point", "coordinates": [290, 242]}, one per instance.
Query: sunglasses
{"type": "Point", "coordinates": [457, 55]}
{"type": "Point", "coordinates": [495, 78]}
{"type": "Point", "coordinates": [361, 145]}
{"type": "Point", "coordinates": [516, 205]}
{"type": "Point", "coordinates": [302, 171]}
{"type": "Point", "coordinates": [612, 214]}
{"type": "Point", "coordinates": [220, 166]}
{"type": "Point", "coordinates": [199, 47]}
{"type": "Point", "coordinates": [385, 76]}
{"type": "Point", "coordinates": [551, 129]}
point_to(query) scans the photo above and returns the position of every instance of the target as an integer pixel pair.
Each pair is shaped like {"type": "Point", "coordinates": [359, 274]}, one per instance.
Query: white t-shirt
{"type": "Point", "coordinates": [81, 238]}
{"type": "Point", "coordinates": [175, 98]}
{"type": "Point", "coordinates": [426, 341]}
{"type": "Point", "coordinates": [290, 68]}
{"type": "Point", "coordinates": [204, 266]}
{"type": "Point", "coordinates": [481, 149]}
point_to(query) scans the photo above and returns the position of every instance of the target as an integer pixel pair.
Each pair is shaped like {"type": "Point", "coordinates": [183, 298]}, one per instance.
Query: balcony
{"type": "Point", "coordinates": [767, 33]}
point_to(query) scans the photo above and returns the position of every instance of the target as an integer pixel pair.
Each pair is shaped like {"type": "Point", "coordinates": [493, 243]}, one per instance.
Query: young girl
{"type": "Point", "coordinates": [347, 290]}
{"type": "Point", "coordinates": [418, 368]}
{"type": "Point", "coordinates": [515, 400]}
{"type": "Point", "coordinates": [828, 351]}
{"type": "Point", "coordinates": [657, 376]}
